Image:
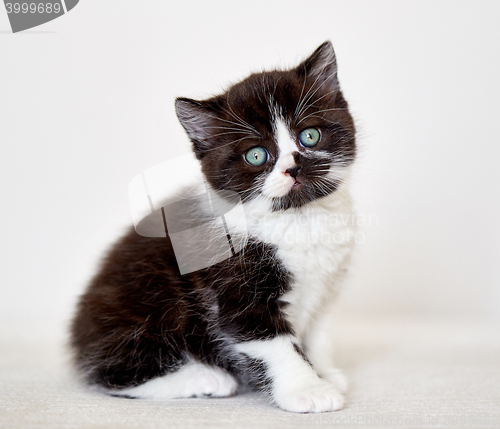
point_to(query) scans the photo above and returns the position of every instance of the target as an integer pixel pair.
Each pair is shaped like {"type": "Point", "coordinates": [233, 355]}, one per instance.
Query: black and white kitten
{"type": "Point", "coordinates": [283, 141]}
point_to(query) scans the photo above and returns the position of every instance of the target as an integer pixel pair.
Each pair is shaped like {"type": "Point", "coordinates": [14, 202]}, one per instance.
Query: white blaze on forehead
{"type": "Point", "coordinates": [278, 184]}
{"type": "Point", "coordinates": [286, 146]}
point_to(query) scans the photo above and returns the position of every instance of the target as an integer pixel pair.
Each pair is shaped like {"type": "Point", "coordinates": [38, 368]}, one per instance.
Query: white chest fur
{"type": "Point", "coordinates": [313, 243]}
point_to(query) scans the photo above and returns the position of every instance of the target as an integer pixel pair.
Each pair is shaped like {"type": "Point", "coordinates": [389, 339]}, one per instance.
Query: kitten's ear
{"type": "Point", "coordinates": [321, 66]}
{"type": "Point", "coordinates": [197, 120]}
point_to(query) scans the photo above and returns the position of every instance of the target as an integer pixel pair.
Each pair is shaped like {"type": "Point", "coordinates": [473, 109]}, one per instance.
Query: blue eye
{"type": "Point", "coordinates": [256, 156]}
{"type": "Point", "coordinates": [309, 137]}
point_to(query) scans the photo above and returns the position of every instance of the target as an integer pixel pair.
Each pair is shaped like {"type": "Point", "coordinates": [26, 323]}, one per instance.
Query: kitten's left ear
{"type": "Point", "coordinates": [197, 120]}
{"type": "Point", "coordinates": [321, 66]}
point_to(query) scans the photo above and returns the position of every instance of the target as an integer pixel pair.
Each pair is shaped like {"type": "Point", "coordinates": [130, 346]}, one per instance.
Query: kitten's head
{"type": "Point", "coordinates": [280, 135]}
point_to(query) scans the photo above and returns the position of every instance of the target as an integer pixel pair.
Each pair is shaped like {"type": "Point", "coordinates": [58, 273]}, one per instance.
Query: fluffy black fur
{"type": "Point", "coordinates": [140, 318]}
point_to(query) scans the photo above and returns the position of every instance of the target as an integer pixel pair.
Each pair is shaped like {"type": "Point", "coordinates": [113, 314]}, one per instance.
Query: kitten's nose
{"type": "Point", "coordinates": [294, 171]}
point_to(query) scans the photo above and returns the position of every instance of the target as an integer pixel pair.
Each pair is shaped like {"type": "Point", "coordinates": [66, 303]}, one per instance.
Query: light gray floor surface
{"type": "Point", "coordinates": [402, 374]}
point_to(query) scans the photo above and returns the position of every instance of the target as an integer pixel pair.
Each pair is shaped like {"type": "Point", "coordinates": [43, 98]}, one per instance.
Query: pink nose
{"type": "Point", "coordinates": [293, 171]}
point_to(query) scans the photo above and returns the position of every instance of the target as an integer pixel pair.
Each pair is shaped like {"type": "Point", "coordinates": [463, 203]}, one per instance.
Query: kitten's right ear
{"type": "Point", "coordinates": [321, 66]}
{"type": "Point", "coordinates": [197, 120]}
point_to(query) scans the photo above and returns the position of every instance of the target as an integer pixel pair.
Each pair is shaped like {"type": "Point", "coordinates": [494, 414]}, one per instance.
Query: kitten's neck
{"type": "Point", "coordinates": [262, 223]}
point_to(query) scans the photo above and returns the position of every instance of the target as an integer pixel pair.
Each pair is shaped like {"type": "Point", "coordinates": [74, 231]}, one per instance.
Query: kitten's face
{"type": "Point", "coordinates": [281, 135]}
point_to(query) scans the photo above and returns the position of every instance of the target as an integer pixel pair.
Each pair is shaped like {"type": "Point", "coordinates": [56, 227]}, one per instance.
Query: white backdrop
{"type": "Point", "coordinates": [86, 103]}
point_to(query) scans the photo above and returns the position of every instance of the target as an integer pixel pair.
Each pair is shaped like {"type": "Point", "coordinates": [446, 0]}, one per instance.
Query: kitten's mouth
{"type": "Point", "coordinates": [297, 185]}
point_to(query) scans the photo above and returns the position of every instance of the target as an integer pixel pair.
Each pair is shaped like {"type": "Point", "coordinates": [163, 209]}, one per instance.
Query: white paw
{"type": "Point", "coordinates": [316, 397]}
{"type": "Point", "coordinates": [214, 382]}
{"type": "Point", "coordinates": [337, 378]}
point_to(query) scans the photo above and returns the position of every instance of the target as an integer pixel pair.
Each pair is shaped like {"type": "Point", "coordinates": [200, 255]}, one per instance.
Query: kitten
{"type": "Point", "coordinates": [283, 141]}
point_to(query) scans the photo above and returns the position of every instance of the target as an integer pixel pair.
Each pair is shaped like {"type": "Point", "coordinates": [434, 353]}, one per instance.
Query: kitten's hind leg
{"type": "Point", "coordinates": [194, 379]}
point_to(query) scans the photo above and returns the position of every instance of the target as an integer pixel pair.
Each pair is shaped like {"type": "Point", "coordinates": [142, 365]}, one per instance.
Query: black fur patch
{"type": "Point", "coordinates": [140, 317]}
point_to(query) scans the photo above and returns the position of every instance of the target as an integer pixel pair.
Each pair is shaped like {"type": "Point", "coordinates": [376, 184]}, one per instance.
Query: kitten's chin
{"type": "Point", "coordinates": [301, 194]}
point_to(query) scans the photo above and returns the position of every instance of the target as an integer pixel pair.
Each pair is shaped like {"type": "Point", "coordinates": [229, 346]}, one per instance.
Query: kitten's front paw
{"type": "Point", "coordinates": [337, 378]}
{"type": "Point", "coordinates": [317, 397]}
